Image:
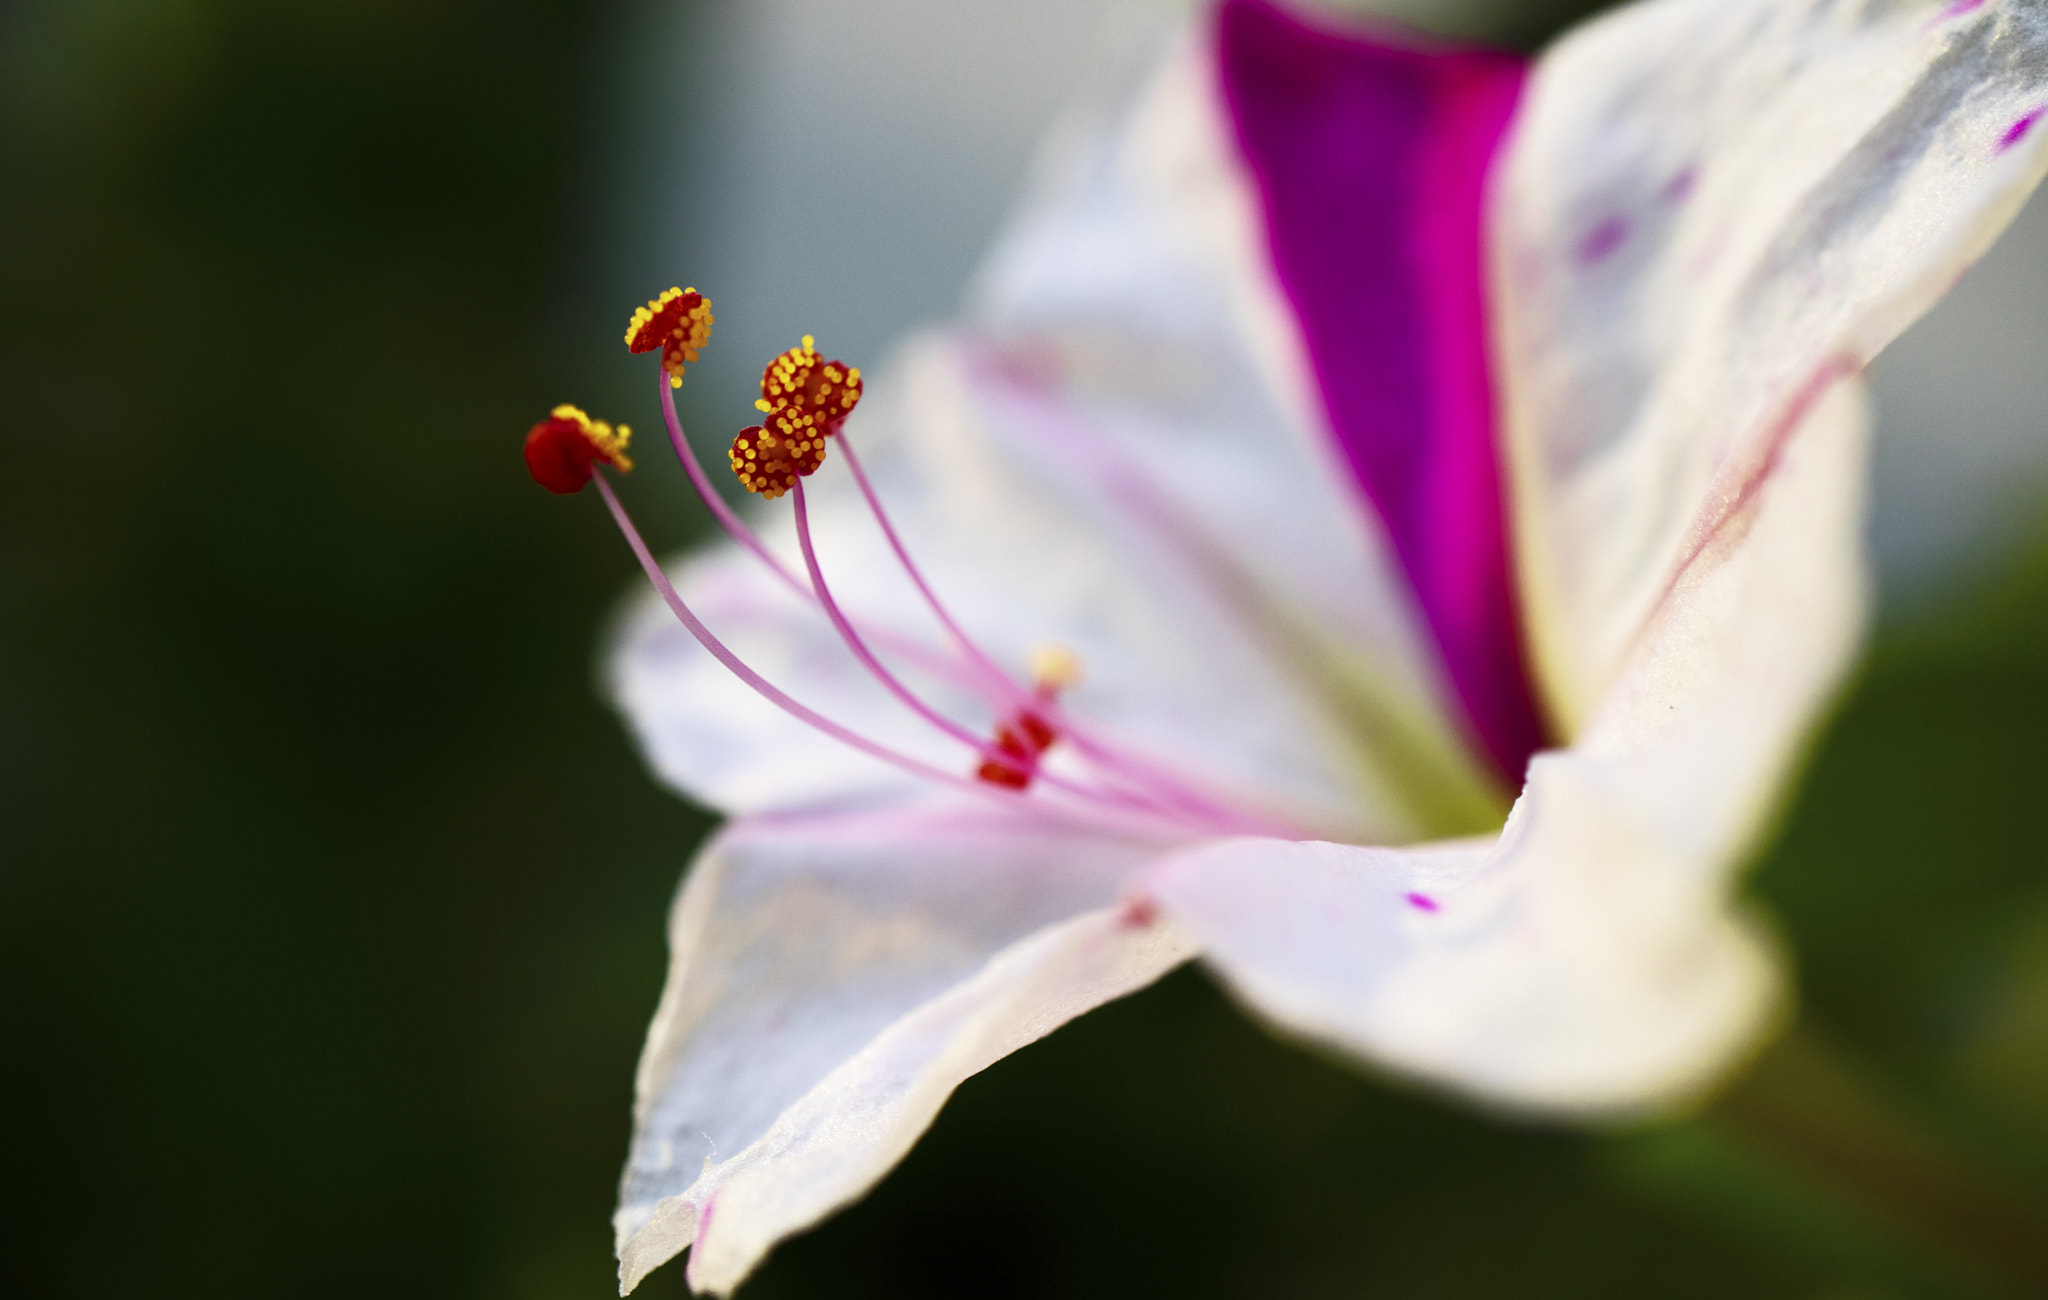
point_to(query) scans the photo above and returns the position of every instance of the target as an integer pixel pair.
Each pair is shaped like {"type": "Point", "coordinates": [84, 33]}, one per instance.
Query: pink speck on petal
{"type": "Point", "coordinates": [2018, 131]}
{"type": "Point", "coordinates": [1680, 187]}
{"type": "Point", "coordinates": [1600, 243]}
{"type": "Point", "coordinates": [1423, 903]}
{"type": "Point", "coordinates": [1138, 912]}
{"type": "Point", "coordinates": [1961, 7]}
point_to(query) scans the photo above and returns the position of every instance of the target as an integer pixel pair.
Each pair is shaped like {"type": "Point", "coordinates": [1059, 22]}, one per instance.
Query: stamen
{"type": "Point", "coordinates": [678, 322]}
{"type": "Point", "coordinates": [992, 671]}
{"type": "Point", "coordinates": [1012, 760]}
{"type": "Point", "coordinates": [827, 390]}
{"type": "Point", "coordinates": [1027, 735]}
{"type": "Point", "coordinates": [806, 398]}
{"type": "Point", "coordinates": [1020, 743]}
{"type": "Point", "coordinates": [738, 667]}
{"type": "Point", "coordinates": [858, 647]}
{"type": "Point", "coordinates": [1016, 766]}
{"type": "Point", "coordinates": [735, 527]}
{"type": "Point", "coordinates": [560, 449]}
{"type": "Point", "coordinates": [769, 460]}
{"type": "Point", "coordinates": [1129, 819]}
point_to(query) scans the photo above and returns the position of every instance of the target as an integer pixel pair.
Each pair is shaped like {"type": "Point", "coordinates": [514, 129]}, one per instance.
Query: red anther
{"type": "Point", "coordinates": [769, 460]}
{"type": "Point", "coordinates": [1022, 739]}
{"type": "Point", "coordinates": [1010, 743]}
{"type": "Point", "coordinates": [1037, 731]}
{"type": "Point", "coordinates": [826, 390]}
{"type": "Point", "coordinates": [997, 774]}
{"type": "Point", "coordinates": [678, 323]}
{"type": "Point", "coordinates": [561, 449]}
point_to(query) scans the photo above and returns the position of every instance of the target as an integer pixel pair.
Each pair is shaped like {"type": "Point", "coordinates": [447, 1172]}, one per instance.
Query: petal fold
{"type": "Point", "coordinates": [833, 978]}
{"type": "Point", "coordinates": [1589, 961]}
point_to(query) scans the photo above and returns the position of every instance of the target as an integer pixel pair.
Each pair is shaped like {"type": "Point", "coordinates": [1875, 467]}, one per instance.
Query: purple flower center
{"type": "Point", "coordinates": [1371, 162]}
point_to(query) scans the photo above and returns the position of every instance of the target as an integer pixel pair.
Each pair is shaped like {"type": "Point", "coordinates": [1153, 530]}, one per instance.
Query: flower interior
{"type": "Point", "coordinates": [805, 400]}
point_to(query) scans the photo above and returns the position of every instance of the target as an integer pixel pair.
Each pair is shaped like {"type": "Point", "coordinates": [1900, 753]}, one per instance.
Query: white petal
{"type": "Point", "coordinates": [1590, 961]}
{"type": "Point", "coordinates": [1702, 204]}
{"type": "Point", "coordinates": [833, 978]}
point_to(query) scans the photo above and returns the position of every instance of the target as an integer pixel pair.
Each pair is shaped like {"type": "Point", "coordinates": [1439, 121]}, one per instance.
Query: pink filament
{"type": "Point", "coordinates": [1173, 791]}
{"type": "Point", "coordinates": [761, 685]}
{"type": "Point", "coordinates": [953, 629]}
{"type": "Point", "coordinates": [1127, 819]}
{"type": "Point", "coordinates": [737, 529]}
{"type": "Point", "coordinates": [859, 648]}
{"type": "Point", "coordinates": [1138, 789]}
{"type": "Point", "coordinates": [734, 526]}
{"type": "Point", "coordinates": [904, 694]}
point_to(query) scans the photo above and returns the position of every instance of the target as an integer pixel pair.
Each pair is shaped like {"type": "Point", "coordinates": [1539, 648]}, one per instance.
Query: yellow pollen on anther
{"type": "Point", "coordinates": [678, 322]}
{"type": "Point", "coordinates": [609, 442]}
{"type": "Point", "coordinates": [768, 459]}
{"type": "Point", "coordinates": [828, 390]}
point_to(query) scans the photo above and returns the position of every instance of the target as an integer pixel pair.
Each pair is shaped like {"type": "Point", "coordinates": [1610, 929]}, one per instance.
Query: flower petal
{"type": "Point", "coordinates": [1142, 365]}
{"type": "Point", "coordinates": [1123, 456]}
{"type": "Point", "coordinates": [1589, 960]}
{"type": "Point", "coordinates": [1703, 204]}
{"type": "Point", "coordinates": [833, 979]}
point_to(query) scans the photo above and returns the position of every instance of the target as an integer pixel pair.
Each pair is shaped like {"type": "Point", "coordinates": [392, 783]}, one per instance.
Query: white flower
{"type": "Point", "coordinates": [1353, 459]}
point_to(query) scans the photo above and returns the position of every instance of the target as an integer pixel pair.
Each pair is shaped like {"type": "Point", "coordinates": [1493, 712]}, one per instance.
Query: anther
{"type": "Point", "coordinates": [769, 459]}
{"type": "Point", "coordinates": [1021, 741]}
{"type": "Point", "coordinates": [826, 390]}
{"type": "Point", "coordinates": [561, 449]}
{"type": "Point", "coordinates": [1025, 737]}
{"type": "Point", "coordinates": [678, 323]}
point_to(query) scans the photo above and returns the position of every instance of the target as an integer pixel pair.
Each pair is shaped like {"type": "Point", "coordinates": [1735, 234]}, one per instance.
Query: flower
{"type": "Point", "coordinates": [1441, 478]}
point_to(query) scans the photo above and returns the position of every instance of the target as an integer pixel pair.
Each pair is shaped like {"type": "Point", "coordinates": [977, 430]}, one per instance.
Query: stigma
{"type": "Point", "coordinates": [678, 323]}
{"type": "Point", "coordinates": [561, 449]}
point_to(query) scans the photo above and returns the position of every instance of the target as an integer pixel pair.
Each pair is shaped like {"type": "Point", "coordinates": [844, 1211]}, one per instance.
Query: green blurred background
{"type": "Point", "coordinates": [331, 894]}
